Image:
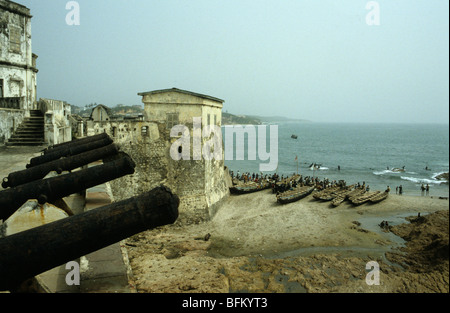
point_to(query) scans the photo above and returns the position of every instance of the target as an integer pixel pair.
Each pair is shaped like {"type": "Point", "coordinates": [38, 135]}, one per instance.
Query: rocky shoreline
{"type": "Point", "coordinates": [303, 247]}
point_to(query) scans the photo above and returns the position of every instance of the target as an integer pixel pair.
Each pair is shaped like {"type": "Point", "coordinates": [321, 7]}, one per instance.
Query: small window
{"type": "Point", "coordinates": [209, 119]}
{"type": "Point", "coordinates": [144, 131]}
{"type": "Point", "coordinates": [215, 119]}
{"type": "Point", "coordinates": [172, 120]}
{"type": "Point", "coordinates": [14, 39]}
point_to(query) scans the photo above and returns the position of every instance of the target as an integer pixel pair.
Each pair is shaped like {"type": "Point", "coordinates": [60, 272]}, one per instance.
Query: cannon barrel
{"type": "Point", "coordinates": [69, 150]}
{"type": "Point", "coordinates": [29, 253]}
{"type": "Point", "coordinates": [76, 142]}
{"type": "Point", "coordinates": [51, 189]}
{"type": "Point", "coordinates": [60, 165]}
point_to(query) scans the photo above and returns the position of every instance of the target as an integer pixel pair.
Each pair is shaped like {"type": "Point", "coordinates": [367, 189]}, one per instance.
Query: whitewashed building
{"type": "Point", "coordinates": [17, 61]}
{"type": "Point", "coordinates": [17, 68]}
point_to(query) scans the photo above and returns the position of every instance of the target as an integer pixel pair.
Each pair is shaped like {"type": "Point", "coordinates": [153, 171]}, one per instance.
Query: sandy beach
{"type": "Point", "coordinates": [254, 244]}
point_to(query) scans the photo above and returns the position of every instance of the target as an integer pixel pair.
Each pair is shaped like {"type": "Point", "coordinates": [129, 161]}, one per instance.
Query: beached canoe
{"type": "Point", "coordinates": [325, 194]}
{"type": "Point", "coordinates": [365, 197]}
{"type": "Point", "coordinates": [358, 192]}
{"type": "Point", "coordinates": [341, 192]}
{"type": "Point", "coordinates": [380, 197]}
{"type": "Point", "coordinates": [338, 200]}
{"type": "Point", "coordinates": [294, 195]}
{"type": "Point", "coordinates": [249, 188]}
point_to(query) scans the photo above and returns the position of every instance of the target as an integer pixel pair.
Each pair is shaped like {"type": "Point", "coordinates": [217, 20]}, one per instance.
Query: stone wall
{"type": "Point", "coordinates": [200, 183]}
{"type": "Point", "coordinates": [57, 126]}
{"type": "Point", "coordinates": [9, 121]}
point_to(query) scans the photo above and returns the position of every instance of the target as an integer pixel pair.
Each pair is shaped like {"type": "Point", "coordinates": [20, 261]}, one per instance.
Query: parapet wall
{"type": "Point", "coordinates": [198, 183]}
{"type": "Point", "coordinates": [9, 121]}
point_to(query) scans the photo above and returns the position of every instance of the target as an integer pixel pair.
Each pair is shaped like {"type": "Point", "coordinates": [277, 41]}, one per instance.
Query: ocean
{"type": "Point", "coordinates": [367, 153]}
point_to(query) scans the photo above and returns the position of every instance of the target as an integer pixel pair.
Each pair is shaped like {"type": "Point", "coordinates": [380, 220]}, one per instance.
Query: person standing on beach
{"type": "Point", "coordinates": [400, 190]}
{"type": "Point", "coordinates": [422, 188]}
{"type": "Point", "coordinates": [427, 188]}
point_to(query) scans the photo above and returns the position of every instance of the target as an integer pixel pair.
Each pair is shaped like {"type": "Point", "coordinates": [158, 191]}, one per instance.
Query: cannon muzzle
{"type": "Point", "coordinates": [75, 142]}
{"type": "Point", "coordinates": [60, 165]}
{"type": "Point", "coordinates": [51, 189]}
{"type": "Point", "coordinates": [71, 149]}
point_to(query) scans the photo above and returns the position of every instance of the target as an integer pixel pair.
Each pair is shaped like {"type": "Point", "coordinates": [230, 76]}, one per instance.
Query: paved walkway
{"type": "Point", "coordinates": [103, 271]}
{"type": "Point", "coordinates": [13, 159]}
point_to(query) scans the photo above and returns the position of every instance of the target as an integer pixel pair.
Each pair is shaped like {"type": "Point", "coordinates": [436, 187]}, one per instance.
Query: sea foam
{"type": "Point", "coordinates": [422, 180]}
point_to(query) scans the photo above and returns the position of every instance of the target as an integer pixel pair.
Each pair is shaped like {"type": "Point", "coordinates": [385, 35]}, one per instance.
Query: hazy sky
{"type": "Point", "coordinates": [309, 59]}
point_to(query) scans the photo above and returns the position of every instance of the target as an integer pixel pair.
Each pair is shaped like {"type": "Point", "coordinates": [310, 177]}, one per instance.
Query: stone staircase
{"type": "Point", "coordinates": [30, 132]}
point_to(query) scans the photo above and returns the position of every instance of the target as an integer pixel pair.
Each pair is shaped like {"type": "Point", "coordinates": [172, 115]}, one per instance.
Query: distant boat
{"type": "Point", "coordinates": [314, 166]}
{"type": "Point", "coordinates": [294, 136]}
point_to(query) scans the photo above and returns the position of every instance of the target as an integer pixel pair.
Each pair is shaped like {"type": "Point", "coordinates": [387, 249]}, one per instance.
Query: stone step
{"type": "Point", "coordinates": [27, 137]}
{"type": "Point", "coordinates": [26, 132]}
{"type": "Point", "coordinates": [29, 129]}
{"type": "Point", "coordinates": [25, 143]}
{"type": "Point", "coordinates": [30, 132]}
{"type": "Point", "coordinates": [30, 125]}
{"type": "Point", "coordinates": [33, 119]}
{"type": "Point", "coordinates": [20, 139]}
{"type": "Point", "coordinates": [36, 113]}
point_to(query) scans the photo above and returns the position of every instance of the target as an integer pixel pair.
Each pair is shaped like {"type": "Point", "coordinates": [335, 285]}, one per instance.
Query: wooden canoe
{"type": "Point", "coordinates": [325, 194]}
{"type": "Point", "coordinates": [365, 197]}
{"type": "Point", "coordinates": [294, 195]}
{"type": "Point", "coordinates": [380, 197]}
{"type": "Point", "coordinates": [358, 192]}
{"type": "Point", "coordinates": [249, 188]}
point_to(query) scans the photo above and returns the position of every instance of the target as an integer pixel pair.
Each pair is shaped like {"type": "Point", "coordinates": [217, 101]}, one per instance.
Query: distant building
{"type": "Point", "coordinates": [101, 113]}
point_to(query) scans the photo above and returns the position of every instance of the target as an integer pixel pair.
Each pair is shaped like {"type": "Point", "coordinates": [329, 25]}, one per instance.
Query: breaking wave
{"type": "Point", "coordinates": [422, 180]}
{"type": "Point", "coordinates": [322, 168]}
{"type": "Point", "coordinates": [385, 172]}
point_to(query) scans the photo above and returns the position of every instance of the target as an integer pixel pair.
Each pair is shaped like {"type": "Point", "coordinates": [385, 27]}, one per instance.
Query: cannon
{"type": "Point", "coordinates": [71, 149]}
{"type": "Point", "coordinates": [59, 165]}
{"type": "Point", "coordinates": [29, 253]}
{"type": "Point", "coordinates": [52, 189]}
{"type": "Point", "coordinates": [75, 142]}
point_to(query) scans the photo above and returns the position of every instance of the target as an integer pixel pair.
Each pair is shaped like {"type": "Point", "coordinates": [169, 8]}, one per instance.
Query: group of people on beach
{"type": "Point", "coordinates": [250, 177]}
{"type": "Point", "coordinates": [284, 183]}
{"type": "Point", "coordinates": [425, 189]}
